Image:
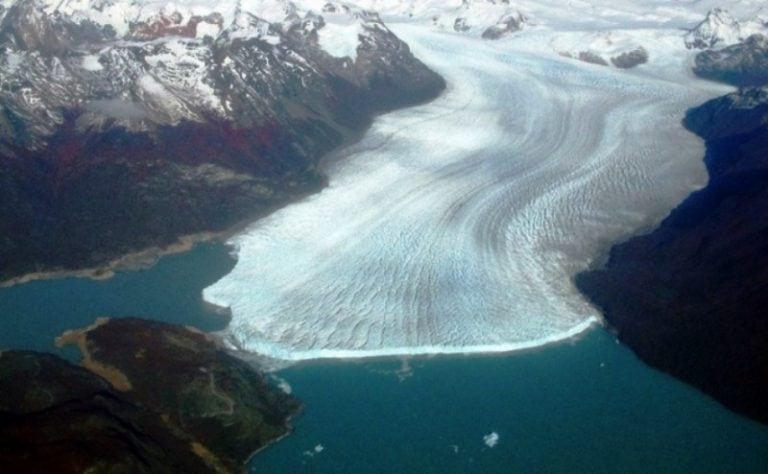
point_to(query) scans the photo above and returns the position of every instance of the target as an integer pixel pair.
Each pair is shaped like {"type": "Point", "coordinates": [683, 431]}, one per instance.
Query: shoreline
{"type": "Point", "coordinates": [134, 261]}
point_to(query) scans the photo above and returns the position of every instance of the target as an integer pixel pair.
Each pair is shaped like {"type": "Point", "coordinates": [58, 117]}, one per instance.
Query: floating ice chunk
{"type": "Point", "coordinates": [315, 451]}
{"type": "Point", "coordinates": [491, 440]}
{"type": "Point", "coordinates": [283, 385]}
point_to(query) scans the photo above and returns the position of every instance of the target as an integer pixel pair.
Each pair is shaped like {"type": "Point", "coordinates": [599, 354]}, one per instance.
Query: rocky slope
{"type": "Point", "coordinates": [126, 124]}
{"type": "Point", "coordinates": [689, 297]}
{"type": "Point", "coordinates": [151, 398]}
{"type": "Point", "coordinates": [743, 64]}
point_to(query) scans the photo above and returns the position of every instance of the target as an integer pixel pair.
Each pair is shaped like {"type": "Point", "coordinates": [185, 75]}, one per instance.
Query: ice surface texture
{"type": "Point", "coordinates": [456, 226]}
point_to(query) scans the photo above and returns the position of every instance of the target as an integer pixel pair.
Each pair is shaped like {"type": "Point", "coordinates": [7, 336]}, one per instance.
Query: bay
{"type": "Point", "coordinates": [586, 405]}
{"type": "Point", "coordinates": [33, 314]}
{"type": "Point", "coordinates": [583, 406]}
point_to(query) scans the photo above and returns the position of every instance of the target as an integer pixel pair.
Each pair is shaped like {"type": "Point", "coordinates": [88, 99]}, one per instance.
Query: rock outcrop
{"type": "Point", "coordinates": [506, 25]}
{"type": "Point", "coordinates": [744, 64]}
{"type": "Point", "coordinates": [630, 59]}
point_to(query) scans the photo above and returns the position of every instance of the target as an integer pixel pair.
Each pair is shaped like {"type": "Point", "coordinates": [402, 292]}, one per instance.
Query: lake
{"type": "Point", "coordinates": [587, 405]}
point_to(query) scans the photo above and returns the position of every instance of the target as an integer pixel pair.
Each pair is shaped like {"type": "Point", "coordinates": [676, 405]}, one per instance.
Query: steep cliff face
{"type": "Point", "coordinates": [690, 297]}
{"type": "Point", "coordinates": [122, 127]}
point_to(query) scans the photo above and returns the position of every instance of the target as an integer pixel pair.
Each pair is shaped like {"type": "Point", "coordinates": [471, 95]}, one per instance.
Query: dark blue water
{"type": "Point", "coordinates": [587, 406]}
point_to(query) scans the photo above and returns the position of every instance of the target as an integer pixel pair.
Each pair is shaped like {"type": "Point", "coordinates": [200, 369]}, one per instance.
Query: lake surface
{"type": "Point", "coordinates": [588, 406]}
{"type": "Point", "coordinates": [582, 406]}
{"type": "Point", "coordinates": [35, 313]}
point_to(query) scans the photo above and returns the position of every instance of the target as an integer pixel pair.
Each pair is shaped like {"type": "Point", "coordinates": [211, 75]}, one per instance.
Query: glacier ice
{"type": "Point", "coordinates": [455, 226]}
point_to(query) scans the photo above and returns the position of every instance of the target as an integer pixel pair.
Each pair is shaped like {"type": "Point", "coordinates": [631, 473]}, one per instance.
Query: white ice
{"type": "Point", "coordinates": [491, 440]}
{"type": "Point", "coordinates": [456, 226]}
{"type": "Point", "coordinates": [91, 63]}
{"type": "Point", "coordinates": [340, 35]}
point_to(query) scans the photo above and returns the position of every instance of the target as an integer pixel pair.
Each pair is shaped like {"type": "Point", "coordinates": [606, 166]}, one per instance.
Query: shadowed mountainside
{"type": "Point", "coordinates": [689, 298]}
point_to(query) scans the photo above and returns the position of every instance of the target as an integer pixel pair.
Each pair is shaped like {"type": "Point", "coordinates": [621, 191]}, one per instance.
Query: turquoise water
{"type": "Point", "coordinates": [33, 314]}
{"type": "Point", "coordinates": [586, 406]}
{"type": "Point", "coordinates": [590, 406]}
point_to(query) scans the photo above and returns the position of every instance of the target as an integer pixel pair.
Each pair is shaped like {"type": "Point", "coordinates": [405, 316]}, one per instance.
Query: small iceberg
{"type": "Point", "coordinates": [491, 440]}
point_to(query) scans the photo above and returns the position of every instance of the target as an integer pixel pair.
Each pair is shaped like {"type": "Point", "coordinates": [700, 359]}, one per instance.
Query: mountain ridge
{"type": "Point", "coordinates": [109, 146]}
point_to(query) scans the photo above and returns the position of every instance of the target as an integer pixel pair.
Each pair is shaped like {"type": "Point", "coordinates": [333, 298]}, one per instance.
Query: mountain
{"type": "Point", "coordinates": [126, 124]}
{"type": "Point", "coordinates": [689, 297]}
{"type": "Point", "coordinates": [489, 19]}
{"type": "Point", "coordinates": [719, 29]}
{"type": "Point", "coordinates": [743, 64]}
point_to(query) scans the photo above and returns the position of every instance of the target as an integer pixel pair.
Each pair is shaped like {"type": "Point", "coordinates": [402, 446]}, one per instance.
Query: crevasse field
{"type": "Point", "coordinates": [456, 226]}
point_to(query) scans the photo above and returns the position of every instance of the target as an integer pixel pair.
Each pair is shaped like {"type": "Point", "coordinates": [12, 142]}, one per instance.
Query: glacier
{"type": "Point", "coordinates": [456, 226]}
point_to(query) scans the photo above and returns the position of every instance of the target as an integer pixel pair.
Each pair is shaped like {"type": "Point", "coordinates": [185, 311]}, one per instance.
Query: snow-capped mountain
{"type": "Point", "coordinates": [134, 63]}
{"type": "Point", "coordinates": [128, 123]}
{"type": "Point", "coordinates": [720, 29]}
{"type": "Point", "coordinates": [488, 18]}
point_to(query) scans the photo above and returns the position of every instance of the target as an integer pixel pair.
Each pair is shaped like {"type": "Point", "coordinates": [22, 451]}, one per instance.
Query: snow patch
{"type": "Point", "coordinates": [116, 108]}
{"type": "Point", "coordinates": [150, 85]}
{"type": "Point", "coordinates": [91, 63]}
{"type": "Point", "coordinates": [273, 11]}
{"type": "Point", "coordinates": [207, 29]}
{"type": "Point", "coordinates": [12, 62]}
{"type": "Point", "coordinates": [340, 36]}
